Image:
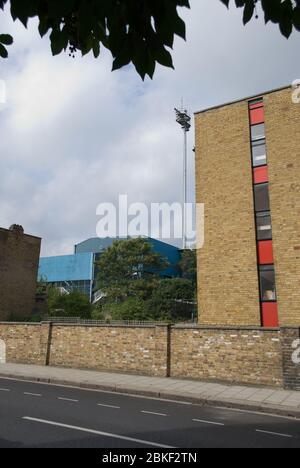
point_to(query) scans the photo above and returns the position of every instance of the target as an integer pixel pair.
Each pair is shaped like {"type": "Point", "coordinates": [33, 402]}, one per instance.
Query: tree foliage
{"type": "Point", "coordinates": [285, 13]}
{"type": "Point", "coordinates": [172, 300]}
{"type": "Point", "coordinates": [132, 309]}
{"type": "Point", "coordinates": [74, 304]}
{"type": "Point", "coordinates": [140, 32]}
{"type": "Point", "coordinates": [188, 265]}
{"type": "Point", "coordinates": [129, 268]}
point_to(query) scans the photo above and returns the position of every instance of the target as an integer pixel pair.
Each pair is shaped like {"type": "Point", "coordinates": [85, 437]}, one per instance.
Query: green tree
{"type": "Point", "coordinates": [74, 304]}
{"type": "Point", "coordinates": [188, 265]}
{"type": "Point", "coordinates": [129, 268]}
{"type": "Point", "coordinates": [172, 300]}
{"type": "Point", "coordinates": [135, 31]}
{"type": "Point", "coordinates": [132, 308]}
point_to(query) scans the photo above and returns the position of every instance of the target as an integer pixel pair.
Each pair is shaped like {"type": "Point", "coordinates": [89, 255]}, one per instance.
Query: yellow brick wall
{"type": "Point", "coordinates": [283, 147]}
{"type": "Point", "coordinates": [243, 355]}
{"type": "Point", "coordinates": [139, 350]}
{"type": "Point", "coordinates": [25, 344]}
{"type": "Point", "coordinates": [227, 264]}
{"type": "Point", "coordinates": [247, 356]}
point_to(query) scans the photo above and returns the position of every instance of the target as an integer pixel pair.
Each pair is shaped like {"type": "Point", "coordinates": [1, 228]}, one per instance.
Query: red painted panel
{"type": "Point", "coordinates": [257, 116]}
{"type": "Point", "coordinates": [261, 175]}
{"type": "Point", "coordinates": [265, 252]}
{"type": "Point", "coordinates": [270, 315]}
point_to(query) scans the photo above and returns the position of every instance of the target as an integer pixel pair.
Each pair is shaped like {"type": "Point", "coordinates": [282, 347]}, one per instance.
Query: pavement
{"type": "Point", "coordinates": [41, 415]}
{"type": "Point", "coordinates": [267, 400]}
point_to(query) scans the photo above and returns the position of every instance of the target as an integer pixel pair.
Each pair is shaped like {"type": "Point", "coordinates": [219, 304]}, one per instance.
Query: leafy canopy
{"type": "Point", "coordinates": [129, 268]}
{"type": "Point", "coordinates": [140, 32]}
{"type": "Point", "coordinates": [74, 304]}
{"type": "Point", "coordinates": [188, 265]}
{"type": "Point", "coordinates": [169, 300]}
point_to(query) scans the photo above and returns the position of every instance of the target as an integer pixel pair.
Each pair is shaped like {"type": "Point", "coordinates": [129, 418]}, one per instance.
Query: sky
{"type": "Point", "coordinates": [73, 134]}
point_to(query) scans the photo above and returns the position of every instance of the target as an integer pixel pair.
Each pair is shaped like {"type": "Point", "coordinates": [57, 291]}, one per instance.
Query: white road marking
{"type": "Point", "coordinates": [5, 390]}
{"type": "Point", "coordinates": [108, 406]}
{"type": "Point", "coordinates": [155, 414]}
{"type": "Point", "coordinates": [32, 394]}
{"type": "Point", "coordinates": [208, 422]}
{"type": "Point", "coordinates": [100, 433]}
{"type": "Point", "coordinates": [288, 436]}
{"type": "Point", "coordinates": [68, 399]}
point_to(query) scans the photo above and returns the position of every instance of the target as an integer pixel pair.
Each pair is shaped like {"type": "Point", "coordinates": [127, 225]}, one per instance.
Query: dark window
{"type": "Point", "coordinates": [267, 283]}
{"type": "Point", "coordinates": [258, 132]}
{"type": "Point", "coordinates": [256, 103]}
{"type": "Point", "coordinates": [264, 226]}
{"type": "Point", "coordinates": [259, 153]}
{"type": "Point", "coordinates": [261, 195]}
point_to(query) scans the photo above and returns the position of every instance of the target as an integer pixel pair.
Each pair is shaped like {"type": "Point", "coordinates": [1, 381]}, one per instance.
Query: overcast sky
{"type": "Point", "coordinates": [73, 134]}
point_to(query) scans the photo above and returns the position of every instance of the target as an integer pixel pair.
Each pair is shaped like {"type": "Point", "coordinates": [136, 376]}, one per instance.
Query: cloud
{"type": "Point", "coordinates": [73, 134]}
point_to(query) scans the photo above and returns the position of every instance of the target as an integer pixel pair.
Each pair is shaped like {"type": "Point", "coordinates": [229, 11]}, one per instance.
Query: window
{"type": "Point", "coordinates": [256, 103]}
{"type": "Point", "coordinates": [258, 132]}
{"type": "Point", "coordinates": [267, 283]}
{"type": "Point", "coordinates": [261, 195]}
{"type": "Point", "coordinates": [259, 153]}
{"type": "Point", "coordinates": [264, 226]}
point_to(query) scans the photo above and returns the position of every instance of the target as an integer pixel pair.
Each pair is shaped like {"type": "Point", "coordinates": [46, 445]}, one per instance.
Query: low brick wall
{"type": "Point", "coordinates": [248, 356]}
{"type": "Point", "coordinates": [290, 338]}
{"type": "Point", "coordinates": [241, 355]}
{"type": "Point", "coordinates": [139, 350]}
{"type": "Point", "coordinates": [25, 343]}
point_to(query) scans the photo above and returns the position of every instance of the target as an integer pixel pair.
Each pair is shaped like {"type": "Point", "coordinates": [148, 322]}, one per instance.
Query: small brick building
{"type": "Point", "coordinates": [19, 259]}
{"type": "Point", "coordinates": [248, 177]}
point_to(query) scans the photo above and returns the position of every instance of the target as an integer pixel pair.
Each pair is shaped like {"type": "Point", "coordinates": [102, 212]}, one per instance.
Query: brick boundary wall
{"type": "Point", "coordinates": [291, 370]}
{"type": "Point", "coordinates": [245, 355]}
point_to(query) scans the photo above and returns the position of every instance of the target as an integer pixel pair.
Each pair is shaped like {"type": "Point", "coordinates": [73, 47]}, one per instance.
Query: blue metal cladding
{"type": "Point", "coordinates": [170, 252]}
{"type": "Point", "coordinates": [95, 245]}
{"type": "Point", "coordinates": [67, 268]}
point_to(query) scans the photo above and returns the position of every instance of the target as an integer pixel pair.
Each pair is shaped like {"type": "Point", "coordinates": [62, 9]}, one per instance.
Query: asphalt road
{"type": "Point", "coordinates": [40, 415]}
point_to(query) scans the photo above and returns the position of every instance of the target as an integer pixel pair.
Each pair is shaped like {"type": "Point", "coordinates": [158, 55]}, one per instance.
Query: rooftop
{"type": "Point", "coordinates": [242, 99]}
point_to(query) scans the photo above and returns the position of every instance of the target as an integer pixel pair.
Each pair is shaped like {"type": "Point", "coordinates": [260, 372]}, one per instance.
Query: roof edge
{"type": "Point", "coordinates": [219, 106]}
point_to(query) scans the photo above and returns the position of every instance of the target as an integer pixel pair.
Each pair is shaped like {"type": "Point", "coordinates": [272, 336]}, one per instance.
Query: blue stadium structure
{"type": "Point", "coordinates": [79, 271]}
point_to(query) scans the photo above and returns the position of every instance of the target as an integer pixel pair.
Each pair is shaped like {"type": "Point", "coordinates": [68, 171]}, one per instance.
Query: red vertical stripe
{"type": "Point", "coordinates": [270, 314]}
{"type": "Point", "coordinates": [265, 253]}
{"type": "Point", "coordinates": [261, 174]}
{"type": "Point", "coordinates": [257, 116]}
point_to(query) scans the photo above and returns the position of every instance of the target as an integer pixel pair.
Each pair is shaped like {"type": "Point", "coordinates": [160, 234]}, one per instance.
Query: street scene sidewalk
{"type": "Point", "coordinates": [268, 400]}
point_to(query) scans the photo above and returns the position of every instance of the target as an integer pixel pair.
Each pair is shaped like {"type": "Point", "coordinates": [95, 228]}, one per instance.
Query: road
{"type": "Point", "coordinates": [40, 415]}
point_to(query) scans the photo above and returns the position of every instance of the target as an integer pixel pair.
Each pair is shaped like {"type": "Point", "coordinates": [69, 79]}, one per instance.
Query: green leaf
{"type": "Point", "coordinates": [96, 48]}
{"type": "Point", "coordinates": [6, 39]}
{"type": "Point", "coordinates": [3, 51]}
{"type": "Point", "coordinates": [59, 41]}
{"type": "Point", "coordinates": [248, 11]}
{"type": "Point", "coordinates": [296, 18]}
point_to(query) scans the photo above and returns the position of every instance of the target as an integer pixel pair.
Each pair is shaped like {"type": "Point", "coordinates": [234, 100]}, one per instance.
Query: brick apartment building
{"type": "Point", "coordinates": [248, 176]}
{"type": "Point", "coordinates": [19, 259]}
